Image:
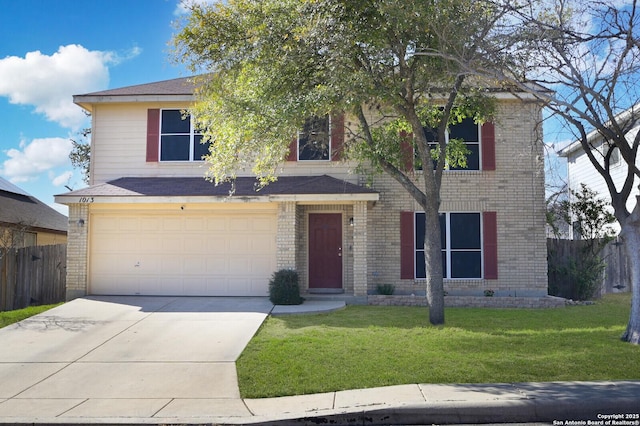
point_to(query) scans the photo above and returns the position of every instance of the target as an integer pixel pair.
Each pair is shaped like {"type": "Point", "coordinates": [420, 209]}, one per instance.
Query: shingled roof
{"type": "Point", "coordinates": [178, 89]}
{"type": "Point", "coordinates": [195, 187]}
{"type": "Point", "coordinates": [17, 207]}
{"type": "Point", "coordinates": [176, 86]}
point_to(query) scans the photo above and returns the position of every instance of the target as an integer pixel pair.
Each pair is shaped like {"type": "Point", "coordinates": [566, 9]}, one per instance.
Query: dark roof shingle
{"type": "Point", "coordinates": [176, 86]}
{"type": "Point", "coordinates": [30, 212]}
{"type": "Point", "coordinates": [244, 186]}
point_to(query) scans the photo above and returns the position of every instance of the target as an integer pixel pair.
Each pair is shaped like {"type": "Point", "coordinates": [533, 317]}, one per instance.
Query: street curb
{"type": "Point", "coordinates": [564, 411]}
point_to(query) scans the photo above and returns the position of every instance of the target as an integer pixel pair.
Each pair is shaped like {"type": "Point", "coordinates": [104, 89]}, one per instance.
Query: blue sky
{"type": "Point", "coordinates": [53, 49]}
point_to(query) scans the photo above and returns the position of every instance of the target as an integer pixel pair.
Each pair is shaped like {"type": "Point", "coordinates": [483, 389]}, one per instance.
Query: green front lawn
{"type": "Point", "coordinates": [367, 346]}
{"type": "Point", "coordinates": [9, 317]}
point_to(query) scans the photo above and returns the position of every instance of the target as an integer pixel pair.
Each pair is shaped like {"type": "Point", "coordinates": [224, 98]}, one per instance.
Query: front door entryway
{"type": "Point", "coordinates": [325, 251]}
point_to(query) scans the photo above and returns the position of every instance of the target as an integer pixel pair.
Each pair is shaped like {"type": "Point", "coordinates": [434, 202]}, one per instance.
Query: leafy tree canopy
{"type": "Point", "coordinates": [268, 65]}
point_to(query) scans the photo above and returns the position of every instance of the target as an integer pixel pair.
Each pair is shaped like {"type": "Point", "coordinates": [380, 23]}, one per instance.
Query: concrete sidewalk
{"type": "Point", "coordinates": [604, 403]}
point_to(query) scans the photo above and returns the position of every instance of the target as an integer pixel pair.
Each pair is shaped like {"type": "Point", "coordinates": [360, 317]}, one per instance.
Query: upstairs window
{"type": "Point", "coordinates": [179, 140]}
{"type": "Point", "coordinates": [314, 141]}
{"type": "Point", "coordinates": [468, 131]}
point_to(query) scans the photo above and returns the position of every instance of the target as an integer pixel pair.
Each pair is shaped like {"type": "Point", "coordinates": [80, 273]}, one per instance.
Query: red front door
{"type": "Point", "coordinates": [325, 251]}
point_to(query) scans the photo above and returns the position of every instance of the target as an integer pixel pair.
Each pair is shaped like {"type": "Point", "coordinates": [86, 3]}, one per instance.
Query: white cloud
{"type": "Point", "coordinates": [62, 179]}
{"type": "Point", "coordinates": [36, 157]}
{"type": "Point", "coordinates": [49, 82]}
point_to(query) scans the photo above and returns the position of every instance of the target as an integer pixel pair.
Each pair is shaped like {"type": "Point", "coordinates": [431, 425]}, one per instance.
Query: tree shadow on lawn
{"type": "Point", "coordinates": [486, 320]}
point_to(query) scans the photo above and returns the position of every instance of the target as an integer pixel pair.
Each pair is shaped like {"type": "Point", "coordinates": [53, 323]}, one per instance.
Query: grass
{"type": "Point", "coordinates": [371, 346]}
{"type": "Point", "coordinates": [10, 317]}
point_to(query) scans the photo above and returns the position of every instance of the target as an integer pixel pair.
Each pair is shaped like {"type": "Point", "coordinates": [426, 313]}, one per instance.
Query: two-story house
{"type": "Point", "coordinates": [150, 224]}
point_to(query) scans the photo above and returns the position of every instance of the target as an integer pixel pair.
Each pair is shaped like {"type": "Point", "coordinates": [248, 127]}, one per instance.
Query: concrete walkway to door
{"type": "Point", "coordinates": [127, 357]}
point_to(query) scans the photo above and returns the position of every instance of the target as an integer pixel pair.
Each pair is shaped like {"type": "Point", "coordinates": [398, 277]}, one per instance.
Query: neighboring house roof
{"type": "Point", "coordinates": [18, 207]}
{"type": "Point", "coordinates": [180, 89]}
{"type": "Point", "coordinates": [7, 186]}
{"type": "Point", "coordinates": [627, 116]}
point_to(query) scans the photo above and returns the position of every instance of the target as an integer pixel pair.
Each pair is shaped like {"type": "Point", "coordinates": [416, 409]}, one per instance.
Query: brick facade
{"type": "Point", "coordinates": [515, 191]}
{"type": "Point", "coordinates": [77, 250]}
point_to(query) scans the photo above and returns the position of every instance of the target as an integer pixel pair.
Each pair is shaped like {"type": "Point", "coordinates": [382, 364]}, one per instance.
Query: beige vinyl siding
{"type": "Point", "coordinates": [119, 143]}
{"type": "Point", "coordinates": [119, 149]}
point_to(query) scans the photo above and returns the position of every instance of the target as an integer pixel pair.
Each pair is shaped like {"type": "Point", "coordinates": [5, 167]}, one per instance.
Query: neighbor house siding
{"type": "Point", "coordinates": [581, 171]}
{"type": "Point", "coordinates": [50, 238]}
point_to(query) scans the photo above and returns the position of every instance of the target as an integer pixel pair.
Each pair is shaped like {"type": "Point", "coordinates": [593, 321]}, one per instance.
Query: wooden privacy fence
{"type": "Point", "coordinates": [616, 277]}
{"type": "Point", "coordinates": [32, 276]}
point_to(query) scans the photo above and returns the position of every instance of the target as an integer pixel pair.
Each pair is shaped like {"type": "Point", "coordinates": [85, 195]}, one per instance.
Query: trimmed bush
{"type": "Point", "coordinates": [386, 289]}
{"type": "Point", "coordinates": [284, 288]}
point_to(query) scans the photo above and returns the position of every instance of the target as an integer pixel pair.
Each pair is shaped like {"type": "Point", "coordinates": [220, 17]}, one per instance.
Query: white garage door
{"type": "Point", "coordinates": [226, 254]}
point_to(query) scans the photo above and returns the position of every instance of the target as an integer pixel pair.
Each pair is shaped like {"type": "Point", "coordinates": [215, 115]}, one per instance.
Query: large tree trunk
{"type": "Point", "coordinates": [433, 261]}
{"type": "Point", "coordinates": [630, 234]}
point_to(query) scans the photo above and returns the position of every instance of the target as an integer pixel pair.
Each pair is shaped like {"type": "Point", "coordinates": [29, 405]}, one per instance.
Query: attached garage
{"type": "Point", "coordinates": [183, 236]}
{"type": "Point", "coordinates": [184, 250]}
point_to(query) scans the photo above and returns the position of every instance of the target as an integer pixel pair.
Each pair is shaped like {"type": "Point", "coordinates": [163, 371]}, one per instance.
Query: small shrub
{"type": "Point", "coordinates": [489, 293]}
{"type": "Point", "coordinates": [386, 289]}
{"type": "Point", "coordinates": [284, 288]}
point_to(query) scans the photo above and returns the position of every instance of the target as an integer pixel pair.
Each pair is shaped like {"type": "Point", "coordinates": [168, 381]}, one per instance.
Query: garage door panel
{"type": "Point", "coordinates": [209, 254]}
{"type": "Point", "coordinates": [216, 223]}
{"type": "Point", "coordinates": [172, 224]}
{"type": "Point", "coordinates": [262, 242]}
{"type": "Point", "coordinates": [217, 246]}
{"type": "Point", "coordinates": [150, 244]}
{"type": "Point", "coordinates": [120, 286]}
{"type": "Point", "coordinates": [260, 264]}
{"type": "Point", "coordinates": [195, 224]}
{"type": "Point", "coordinates": [239, 224]}
{"type": "Point", "coordinates": [261, 224]}
{"type": "Point", "coordinates": [107, 263]}
{"type": "Point", "coordinates": [239, 246]}
{"type": "Point", "coordinates": [195, 263]}
{"type": "Point", "coordinates": [196, 244]}
{"type": "Point", "coordinates": [217, 265]}
{"type": "Point", "coordinates": [151, 224]}
{"type": "Point", "coordinates": [171, 265]}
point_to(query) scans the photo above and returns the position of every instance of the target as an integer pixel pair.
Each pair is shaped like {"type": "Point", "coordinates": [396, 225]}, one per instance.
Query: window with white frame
{"type": "Point", "coordinates": [469, 132]}
{"type": "Point", "coordinates": [179, 139]}
{"type": "Point", "coordinates": [314, 141]}
{"type": "Point", "coordinates": [461, 238]}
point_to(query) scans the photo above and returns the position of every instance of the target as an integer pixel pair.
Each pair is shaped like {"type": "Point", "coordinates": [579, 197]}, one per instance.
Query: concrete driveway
{"type": "Point", "coordinates": [162, 357]}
